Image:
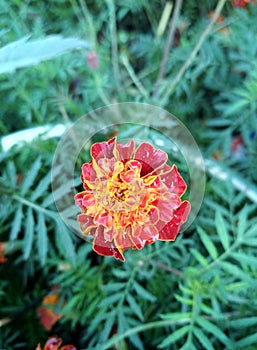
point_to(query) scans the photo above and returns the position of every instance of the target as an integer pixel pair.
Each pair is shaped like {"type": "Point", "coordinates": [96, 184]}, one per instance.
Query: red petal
{"type": "Point", "coordinates": [125, 151]}
{"type": "Point", "coordinates": [105, 248]}
{"type": "Point", "coordinates": [86, 224]}
{"type": "Point", "coordinates": [88, 172]}
{"type": "Point", "coordinates": [78, 198]}
{"type": "Point", "coordinates": [150, 158]}
{"type": "Point", "coordinates": [53, 343]}
{"type": "Point", "coordinates": [122, 240]}
{"type": "Point", "coordinates": [172, 179]}
{"type": "Point", "coordinates": [47, 317]}
{"type": "Point", "coordinates": [104, 219]}
{"type": "Point", "coordinates": [103, 149]}
{"type": "Point", "coordinates": [88, 200]}
{"type": "Point", "coordinates": [68, 347]}
{"type": "Point", "coordinates": [106, 165]}
{"type": "Point", "coordinates": [142, 235]}
{"type": "Point", "coordinates": [166, 206]}
{"type": "Point", "coordinates": [169, 231]}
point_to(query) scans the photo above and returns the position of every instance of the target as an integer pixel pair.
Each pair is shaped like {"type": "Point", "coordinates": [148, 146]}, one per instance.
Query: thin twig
{"type": "Point", "coordinates": [113, 32]}
{"type": "Point", "coordinates": [134, 77]}
{"type": "Point", "coordinates": [170, 39]}
{"type": "Point", "coordinates": [168, 269]}
{"type": "Point", "coordinates": [190, 59]}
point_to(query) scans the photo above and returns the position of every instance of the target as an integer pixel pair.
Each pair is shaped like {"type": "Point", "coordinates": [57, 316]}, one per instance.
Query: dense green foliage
{"type": "Point", "coordinates": [196, 293]}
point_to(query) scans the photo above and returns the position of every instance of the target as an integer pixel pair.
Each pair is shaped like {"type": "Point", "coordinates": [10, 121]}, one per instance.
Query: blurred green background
{"type": "Point", "coordinates": [196, 293]}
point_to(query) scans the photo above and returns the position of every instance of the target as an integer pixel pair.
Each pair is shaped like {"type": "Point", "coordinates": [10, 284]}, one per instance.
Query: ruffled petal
{"type": "Point", "coordinates": [142, 235]}
{"type": "Point", "coordinates": [123, 238]}
{"type": "Point", "coordinates": [78, 198]}
{"type": "Point", "coordinates": [166, 205]}
{"type": "Point", "coordinates": [104, 219]}
{"type": "Point", "coordinates": [103, 149]}
{"type": "Point", "coordinates": [68, 347]}
{"type": "Point", "coordinates": [125, 152]}
{"type": "Point", "coordinates": [150, 158]}
{"type": "Point", "coordinates": [106, 248]}
{"type": "Point", "coordinates": [172, 179]}
{"type": "Point", "coordinates": [88, 173]}
{"type": "Point", "coordinates": [86, 224]}
{"type": "Point", "coordinates": [169, 231]}
{"type": "Point", "coordinates": [53, 343]}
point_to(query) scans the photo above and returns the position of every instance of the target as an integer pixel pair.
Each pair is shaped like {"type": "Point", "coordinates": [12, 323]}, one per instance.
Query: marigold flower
{"type": "Point", "coordinates": [46, 315]}
{"type": "Point", "coordinates": [54, 343]}
{"type": "Point", "coordinates": [242, 3]}
{"type": "Point", "coordinates": [2, 250]}
{"type": "Point", "coordinates": [131, 197]}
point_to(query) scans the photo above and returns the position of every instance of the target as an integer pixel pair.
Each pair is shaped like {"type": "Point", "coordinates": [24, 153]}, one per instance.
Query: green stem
{"type": "Point", "coordinates": [151, 325]}
{"type": "Point", "coordinates": [113, 32]}
{"type": "Point", "coordinates": [134, 77]}
{"type": "Point", "coordinates": [193, 54]}
{"type": "Point", "coordinates": [170, 39]}
{"type": "Point", "coordinates": [156, 324]}
{"type": "Point", "coordinates": [47, 212]}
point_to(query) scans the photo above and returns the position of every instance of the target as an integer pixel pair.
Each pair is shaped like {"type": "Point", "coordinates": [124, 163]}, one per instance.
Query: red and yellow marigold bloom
{"type": "Point", "coordinates": [54, 343]}
{"type": "Point", "coordinates": [242, 3]}
{"type": "Point", "coordinates": [2, 250]}
{"type": "Point", "coordinates": [131, 197]}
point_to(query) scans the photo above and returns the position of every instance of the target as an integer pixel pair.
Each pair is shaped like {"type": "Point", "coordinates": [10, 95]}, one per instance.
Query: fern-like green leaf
{"type": "Point", "coordinates": [222, 230]}
{"type": "Point", "coordinates": [173, 337]}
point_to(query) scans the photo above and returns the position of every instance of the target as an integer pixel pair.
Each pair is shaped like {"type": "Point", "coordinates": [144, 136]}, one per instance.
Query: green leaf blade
{"type": "Point", "coordinates": [222, 230]}
{"type": "Point", "coordinates": [207, 242]}
{"type": "Point", "coordinates": [29, 231]}
{"type": "Point", "coordinates": [174, 337]}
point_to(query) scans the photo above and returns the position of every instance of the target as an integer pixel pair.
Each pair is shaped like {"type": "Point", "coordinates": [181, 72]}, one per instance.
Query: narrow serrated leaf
{"type": "Point", "coordinates": [122, 274]}
{"type": "Point", "coordinates": [110, 300]}
{"type": "Point", "coordinates": [29, 178]}
{"type": "Point", "coordinates": [29, 230]}
{"type": "Point", "coordinates": [213, 329]}
{"type": "Point", "coordinates": [41, 187]}
{"type": "Point", "coordinates": [172, 338]}
{"type": "Point", "coordinates": [122, 321]}
{"type": "Point", "coordinates": [42, 239]}
{"type": "Point", "coordinates": [245, 258]}
{"type": "Point", "coordinates": [135, 306]}
{"type": "Point", "coordinates": [202, 339]}
{"type": "Point", "coordinates": [222, 230]}
{"type": "Point", "coordinates": [64, 241]}
{"type": "Point", "coordinates": [177, 316]}
{"type": "Point", "coordinates": [210, 247]}
{"type": "Point", "coordinates": [113, 287]}
{"type": "Point", "coordinates": [247, 341]}
{"type": "Point", "coordinates": [183, 300]}
{"type": "Point", "coordinates": [242, 224]}
{"type": "Point", "coordinates": [16, 226]}
{"type": "Point", "coordinates": [244, 322]}
{"type": "Point", "coordinates": [110, 318]}
{"type": "Point", "coordinates": [199, 257]}
{"type": "Point", "coordinates": [136, 341]}
{"type": "Point", "coordinates": [236, 272]}
{"type": "Point", "coordinates": [143, 292]}
{"type": "Point", "coordinates": [48, 200]}
{"type": "Point", "coordinates": [11, 170]}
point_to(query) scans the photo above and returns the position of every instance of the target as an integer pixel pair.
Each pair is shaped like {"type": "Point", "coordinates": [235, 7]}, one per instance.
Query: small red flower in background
{"type": "Point", "coordinates": [92, 59]}
{"type": "Point", "coordinates": [54, 343]}
{"type": "Point", "coordinates": [3, 259]}
{"type": "Point", "coordinates": [46, 315]}
{"type": "Point", "coordinates": [242, 3]}
{"type": "Point", "coordinates": [131, 198]}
